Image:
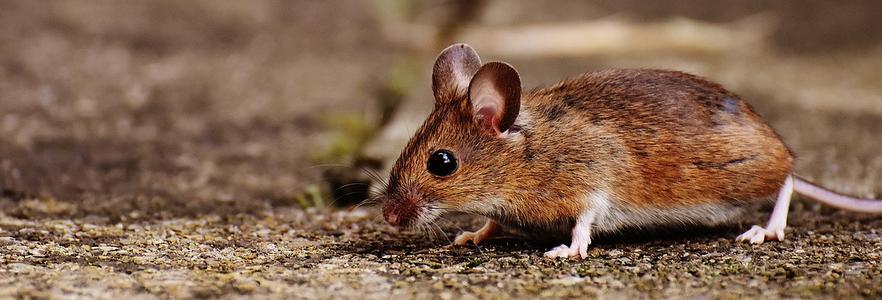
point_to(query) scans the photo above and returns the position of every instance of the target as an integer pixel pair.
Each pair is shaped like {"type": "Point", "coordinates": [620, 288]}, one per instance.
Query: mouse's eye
{"type": "Point", "coordinates": [442, 163]}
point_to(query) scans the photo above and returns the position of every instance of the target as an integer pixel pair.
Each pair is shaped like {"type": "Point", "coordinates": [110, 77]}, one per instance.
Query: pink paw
{"type": "Point", "coordinates": [464, 238]}
{"type": "Point", "coordinates": [578, 249]}
{"type": "Point", "coordinates": [758, 235]}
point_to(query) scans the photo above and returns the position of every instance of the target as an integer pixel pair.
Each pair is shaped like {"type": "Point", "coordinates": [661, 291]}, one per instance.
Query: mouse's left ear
{"type": "Point", "coordinates": [495, 95]}
{"type": "Point", "coordinates": [453, 70]}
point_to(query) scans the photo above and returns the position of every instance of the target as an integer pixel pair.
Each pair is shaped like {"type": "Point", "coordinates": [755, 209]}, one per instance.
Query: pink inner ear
{"type": "Point", "coordinates": [488, 104]}
{"type": "Point", "coordinates": [486, 116]}
{"type": "Point", "coordinates": [495, 95]}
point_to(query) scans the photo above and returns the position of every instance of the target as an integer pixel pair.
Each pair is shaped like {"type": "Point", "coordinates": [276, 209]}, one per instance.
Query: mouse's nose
{"type": "Point", "coordinates": [397, 214]}
{"type": "Point", "coordinates": [400, 209]}
{"type": "Point", "coordinates": [391, 218]}
{"type": "Point", "coordinates": [391, 212]}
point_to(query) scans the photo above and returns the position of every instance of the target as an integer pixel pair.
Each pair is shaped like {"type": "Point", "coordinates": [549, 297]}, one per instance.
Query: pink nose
{"type": "Point", "coordinates": [391, 218]}
{"type": "Point", "coordinates": [392, 214]}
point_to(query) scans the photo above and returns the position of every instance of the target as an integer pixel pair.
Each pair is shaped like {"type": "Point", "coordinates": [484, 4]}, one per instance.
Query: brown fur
{"type": "Point", "coordinates": [685, 140]}
{"type": "Point", "coordinates": [649, 138]}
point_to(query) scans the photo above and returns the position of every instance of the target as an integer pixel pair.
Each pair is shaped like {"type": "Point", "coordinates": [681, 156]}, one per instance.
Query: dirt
{"type": "Point", "coordinates": [159, 149]}
{"type": "Point", "coordinates": [315, 254]}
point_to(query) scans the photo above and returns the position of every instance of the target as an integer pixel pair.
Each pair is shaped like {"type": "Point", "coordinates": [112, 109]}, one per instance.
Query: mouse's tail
{"type": "Point", "coordinates": [834, 199]}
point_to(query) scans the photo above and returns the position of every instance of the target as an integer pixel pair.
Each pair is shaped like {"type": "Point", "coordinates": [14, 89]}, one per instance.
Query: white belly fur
{"type": "Point", "coordinates": [612, 215]}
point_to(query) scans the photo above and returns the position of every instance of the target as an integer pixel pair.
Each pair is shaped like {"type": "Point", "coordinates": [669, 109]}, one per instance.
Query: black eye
{"type": "Point", "coordinates": [442, 163]}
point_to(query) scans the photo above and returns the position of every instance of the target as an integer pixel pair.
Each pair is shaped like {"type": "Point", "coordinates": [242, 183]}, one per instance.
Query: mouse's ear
{"type": "Point", "coordinates": [453, 70]}
{"type": "Point", "coordinates": [495, 95]}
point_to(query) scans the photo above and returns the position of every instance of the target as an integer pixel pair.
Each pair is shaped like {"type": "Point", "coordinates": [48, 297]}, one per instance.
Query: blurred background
{"type": "Point", "coordinates": [153, 109]}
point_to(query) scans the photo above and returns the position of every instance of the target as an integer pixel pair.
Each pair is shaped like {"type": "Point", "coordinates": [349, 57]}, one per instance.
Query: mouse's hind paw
{"type": "Point", "coordinates": [777, 222]}
{"type": "Point", "coordinates": [758, 235]}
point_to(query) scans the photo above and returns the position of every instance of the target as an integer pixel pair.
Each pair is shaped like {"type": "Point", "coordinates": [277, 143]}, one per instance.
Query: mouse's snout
{"type": "Point", "coordinates": [391, 216]}
{"type": "Point", "coordinates": [398, 212]}
{"type": "Point", "coordinates": [401, 210]}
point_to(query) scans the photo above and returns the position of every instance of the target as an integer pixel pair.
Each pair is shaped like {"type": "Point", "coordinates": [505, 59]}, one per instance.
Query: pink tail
{"type": "Point", "coordinates": [834, 199]}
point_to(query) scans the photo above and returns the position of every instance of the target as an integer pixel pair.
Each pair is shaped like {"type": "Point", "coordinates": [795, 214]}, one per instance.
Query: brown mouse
{"type": "Point", "coordinates": [601, 152]}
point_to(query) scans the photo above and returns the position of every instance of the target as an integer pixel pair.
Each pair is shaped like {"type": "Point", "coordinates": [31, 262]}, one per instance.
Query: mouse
{"type": "Point", "coordinates": [601, 152]}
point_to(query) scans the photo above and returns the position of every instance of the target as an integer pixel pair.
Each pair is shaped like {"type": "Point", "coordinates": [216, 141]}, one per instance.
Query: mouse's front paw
{"type": "Point", "coordinates": [562, 251]}
{"type": "Point", "coordinates": [758, 235]}
{"type": "Point", "coordinates": [464, 238]}
{"type": "Point", "coordinates": [489, 230]}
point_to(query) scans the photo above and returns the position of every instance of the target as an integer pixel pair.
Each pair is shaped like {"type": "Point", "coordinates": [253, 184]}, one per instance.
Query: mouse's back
{"type": "Point", "coordinates": [679, 139]}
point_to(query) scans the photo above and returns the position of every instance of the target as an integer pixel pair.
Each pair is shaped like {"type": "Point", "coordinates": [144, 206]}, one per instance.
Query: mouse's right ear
{"type": "Point", "coordinates": [495, 95]}
{"type": "Point", "coordinates": [453, 71]}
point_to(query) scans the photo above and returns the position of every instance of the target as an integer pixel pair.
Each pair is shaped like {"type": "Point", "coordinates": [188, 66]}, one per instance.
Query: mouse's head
{"type": "Point", "coordinates": [462, 156]}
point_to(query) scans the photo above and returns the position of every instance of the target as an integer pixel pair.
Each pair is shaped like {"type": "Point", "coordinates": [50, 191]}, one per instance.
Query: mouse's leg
{"type": "Point", "coordinates": [580, 240]}
{"type": "Point", "coordinates": [774, 230]}
{"type": "Point", "coordinates": [490, 229]}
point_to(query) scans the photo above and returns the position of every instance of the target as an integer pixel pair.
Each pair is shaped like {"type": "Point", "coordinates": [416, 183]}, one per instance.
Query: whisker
{"type": "Point", "coordinates": [367, 202]}
{"type": "Point", "coordinates": [425, 232]}
{"type": "Point", "coordinates": [375, 176]}
{"type": "Point", "coordinates": [327, 166]}
{"type": "Point", "coordinates": [350, 184]}
{"type": "Point", "coordinates": [441, 231]}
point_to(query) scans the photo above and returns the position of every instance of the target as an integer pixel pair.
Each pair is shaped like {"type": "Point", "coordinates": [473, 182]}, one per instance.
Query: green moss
{"type": "Point", "coordinates": [312, 197]}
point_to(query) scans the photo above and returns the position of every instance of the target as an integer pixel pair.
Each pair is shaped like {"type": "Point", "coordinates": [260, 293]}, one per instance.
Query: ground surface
{"type": "Point", "coordinates": [156, 150]}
